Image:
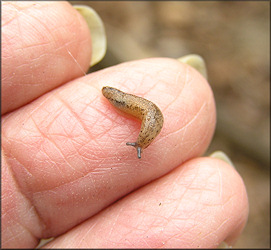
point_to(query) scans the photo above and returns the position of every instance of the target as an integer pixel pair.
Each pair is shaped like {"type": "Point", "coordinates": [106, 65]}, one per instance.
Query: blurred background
{"type": "Point", "coordinates": [234, 40]}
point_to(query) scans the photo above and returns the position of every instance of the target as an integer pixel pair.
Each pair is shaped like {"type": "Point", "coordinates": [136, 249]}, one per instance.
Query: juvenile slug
{"type": "Point", "coordinates": [151, 116]}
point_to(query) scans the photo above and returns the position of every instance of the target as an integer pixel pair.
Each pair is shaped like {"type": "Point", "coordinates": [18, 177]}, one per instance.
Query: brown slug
{"type": "Point", "coordinates": [151, 116]}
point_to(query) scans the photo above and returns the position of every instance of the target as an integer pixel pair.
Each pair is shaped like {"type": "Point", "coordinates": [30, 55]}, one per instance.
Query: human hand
{"type": "Point", "coordinates": [66, 171]}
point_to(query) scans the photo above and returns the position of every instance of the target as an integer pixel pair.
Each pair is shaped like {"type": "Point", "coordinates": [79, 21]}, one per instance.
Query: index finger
{"type": "Point", "coordinates": [66, 151]}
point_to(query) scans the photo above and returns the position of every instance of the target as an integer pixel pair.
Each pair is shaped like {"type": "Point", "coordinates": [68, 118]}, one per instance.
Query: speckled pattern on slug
{"type": "Point", "coordinates": [151, 116]}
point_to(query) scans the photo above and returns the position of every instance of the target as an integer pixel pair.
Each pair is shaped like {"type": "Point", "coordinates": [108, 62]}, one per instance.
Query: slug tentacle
{"type": "Point", "coordinates": [139, 149]}
{"type": "Point", "coordinates": [148, 112]}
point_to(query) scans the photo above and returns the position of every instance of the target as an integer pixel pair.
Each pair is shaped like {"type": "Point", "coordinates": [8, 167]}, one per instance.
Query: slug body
{"type": "Point", "coordinates": [151, 116]}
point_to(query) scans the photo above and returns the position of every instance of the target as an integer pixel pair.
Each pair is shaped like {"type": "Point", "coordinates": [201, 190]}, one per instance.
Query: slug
{"type": "Point", "coordinates": [151, 116]}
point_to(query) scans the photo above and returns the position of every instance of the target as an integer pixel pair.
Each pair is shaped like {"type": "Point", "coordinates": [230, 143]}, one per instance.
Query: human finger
{"type": "Point", "coordinates": [200, 204]}
{"type": "Point", "coordinates": [66, 154]}
{"type": "Point", "coordinates": [44, 45]}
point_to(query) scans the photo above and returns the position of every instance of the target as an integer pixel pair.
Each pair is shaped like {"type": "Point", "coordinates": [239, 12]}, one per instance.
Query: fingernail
{"type": "Point", "coordinates": [97, 31]}
{"type": "Point", "coordinates": [222, 156]}
{"type": "Point", "coordinates": [43, 242]}
{"type": "Point", "coordinates": [223, 244]}
{"type": "Point", "coordinates": [196, 62]}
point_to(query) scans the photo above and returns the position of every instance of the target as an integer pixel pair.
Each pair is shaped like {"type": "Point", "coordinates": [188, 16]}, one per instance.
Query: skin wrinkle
{"type": "Point", "coordinates": [10, 239]}
{"type": "Point", "coordinates": [19, 29]}
{"type": "Point", "coordinates": [197, 239]}
{"type": "Point", "coordinates": [61, 185]}
{"type": "Point", "coordinates": [59, 150]}
{"type": "Point", "coordinates": [163, 221]}
{"type": "Point", "coordinates": [205, 135]}
{"type": "Point", "coordinates": [220, 184]}
{"type": "Point", "coordinates": [158, 66]}
{"type": "Point", "coordinates": [44, 136]}
{"type": "Point", "coordinates": [194, 146]}
{"type": "Point", "coordinates": [38, 46]}
{"type": "Point", "coordinates": [173, 133]}
{"type": "Point", "coordinates": [20, 7]}
{"type": "Point", "coordinates": [228, 200]}
{"type": "Point", "coordinates": [224, 222]}
{"type": "Point", "coordinates": [86, 105]}
{"type": "Point", "coordinates": [14, 236]}
{"type": "Point", "coordinates": [70, 182]}
{"type": "Point", "coordinates": [187, 232]}
{"type": "Point", "coordinates": [6, 57]}
{"type": "Point", "coordinates": [70, 156]}
{"type": "Point", "coordinates": [26, 229]}
{"type": "Point", "coordinates": [173, 221]}
{"type": "Point", "coordinates": [35, 61]}
{"type": "Point", "coordinates": [115, 118]}
{"type": "Point", "coordinates": [41, 103]}
{"type": "Point", "coordinates": [19, 67]}
{"type": "Point", "coordinates": [165, 108]}
{"type": "Point", "coordinates": [173, 236]}
{"type": "Point", "coordinates": [78, 144]}
{"type": "Point", "coordinates": [144, 78]}
{"type": "Point", "coordinates": [76, 116]}
{"type": "Point", "coordinates": [113, 224]}
{"type": "Point", "coordinates": [183, 142]}
{"type": "Point", "coordinates": [39, 58]}
{"type": "Point", "coordinates": [49, 161]}
{"type": "Point", "coordinates": [148, 90]}
{"type": "Point", "coordinates": [205, 235]}
{"type": "Point", "coordinates": [134, 79]}
{"type": "Point", "coordinates": [57, 114]}
{"type": "Point", "coordinates": [185, 128]}
{"type": "Point", "coordinates": [50, 34]}
{"type": "Point", "coordinates": [194, 117]}
{"type": "Point", "coordinates": [146, 243]}
{"type": "Point", "coordinates": [33, 66]}
{"type": "Point", "coordinates": [201, 235]}
{"type": "Point", "coordinates": [39, 21]}
{"type": "Point", "coordinates": [5, 22]}
{"type": "Point", "coordinates": [93, 87]}
{"type": "Point", "coordinates": [188, 187]}
{"type": "Point", "coordinates": [189, 75]}
{"type": "Point", "coordinates": [61, 44]}
{"type": "Point", "coordinates": [211, 234]}
{"type": "Point", "coordinates": [177, 80]}
{"type": "Point", "coordinates": [152, 228]}
{"type": "Point", "coordinates": [84, 235]}
{"type": "Point", "coordinates": [26, 197]}
{"type": "Point", "coordinates": [12, 157]}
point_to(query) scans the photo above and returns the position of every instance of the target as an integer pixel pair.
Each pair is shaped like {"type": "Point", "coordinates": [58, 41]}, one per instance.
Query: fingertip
{"type": "Point", "coordinates": [43, 52]}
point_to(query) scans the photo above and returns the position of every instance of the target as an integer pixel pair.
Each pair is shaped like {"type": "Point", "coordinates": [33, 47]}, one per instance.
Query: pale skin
{"type": "Point", "coordinates": [66, 171]}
